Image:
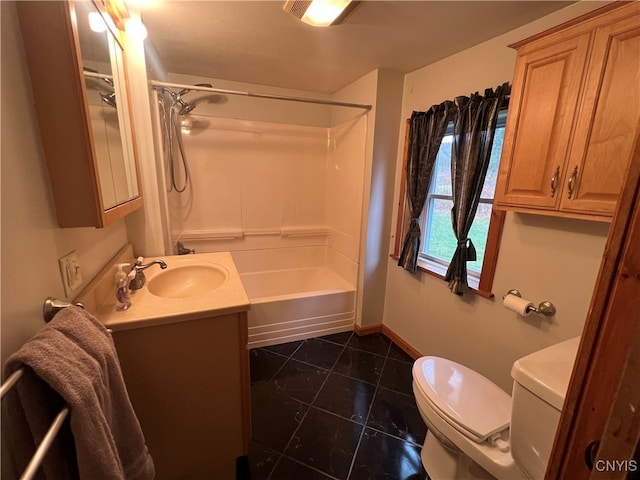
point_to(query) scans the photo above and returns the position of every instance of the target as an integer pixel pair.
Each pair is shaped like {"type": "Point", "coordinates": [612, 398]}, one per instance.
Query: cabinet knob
{"type": "Point", "coordinates": [590, 454]}
{"type": "Point", "coordinates": [572, 181]}
{"type": "Point", "coordinates": [554, 181]}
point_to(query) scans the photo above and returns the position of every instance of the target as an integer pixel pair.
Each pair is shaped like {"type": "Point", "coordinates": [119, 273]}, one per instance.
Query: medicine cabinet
{"type": "Point", "coordinates": [76, 62]}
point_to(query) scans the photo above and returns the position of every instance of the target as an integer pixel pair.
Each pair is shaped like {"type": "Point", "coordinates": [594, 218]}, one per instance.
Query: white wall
{"type": "Point", "coordinates": [382, 89]}
{"type": "Point", "coordinates": [545, 258]}
{"type": "Point", "coordinates": [31, 239]}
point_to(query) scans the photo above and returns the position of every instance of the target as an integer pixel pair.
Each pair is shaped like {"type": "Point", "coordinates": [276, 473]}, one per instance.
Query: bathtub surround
{"type": "Point", "coordinates": [280, 197]}
{"type": "Point", "coordinates": [295, 294]}
{"type": "Point", "coordinates": [335, 190]}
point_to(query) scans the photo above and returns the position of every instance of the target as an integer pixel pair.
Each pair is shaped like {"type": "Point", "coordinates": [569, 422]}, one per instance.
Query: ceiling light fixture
{"type": "Point", "coordinates": [96, 22]}
{"type": "Point", "coordinates": [136, 28]}
{"type": "Point", "coordinates": [320, 13]}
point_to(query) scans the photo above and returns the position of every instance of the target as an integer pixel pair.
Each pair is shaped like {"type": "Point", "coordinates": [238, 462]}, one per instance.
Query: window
{"type": "Point", "coordinates": [438, 241]}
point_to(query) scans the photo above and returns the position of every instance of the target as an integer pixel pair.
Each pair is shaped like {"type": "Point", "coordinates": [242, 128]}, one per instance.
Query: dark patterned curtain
{"type": "Point", "coordinates": [474, 129]}
{"type": "Point", "coordinates": [426, 130]}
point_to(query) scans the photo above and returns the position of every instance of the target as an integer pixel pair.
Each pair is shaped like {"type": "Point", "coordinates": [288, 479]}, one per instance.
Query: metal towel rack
{"type": "Point", "coordinates": [50, 307]}
{"type": "Point", "coordinates": [47, 440]}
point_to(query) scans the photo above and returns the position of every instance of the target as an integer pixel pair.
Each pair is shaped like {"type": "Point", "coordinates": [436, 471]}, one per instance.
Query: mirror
{"type": "Point", "coordinates": [101, 57]}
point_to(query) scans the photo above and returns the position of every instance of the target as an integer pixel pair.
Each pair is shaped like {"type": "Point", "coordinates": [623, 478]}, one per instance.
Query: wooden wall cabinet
{"type": "Point", "coordinates": [88, 145]}
{"type": "Point", "coordinates": [573, 116]}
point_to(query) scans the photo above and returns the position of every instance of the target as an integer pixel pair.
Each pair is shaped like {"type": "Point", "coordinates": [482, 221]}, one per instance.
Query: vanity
{"type": "Point", "coordinates": [182, 346]}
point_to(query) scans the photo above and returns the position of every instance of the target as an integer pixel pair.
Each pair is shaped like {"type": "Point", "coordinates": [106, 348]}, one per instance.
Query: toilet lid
{"type": "Point", "coordinates": [471, 403]}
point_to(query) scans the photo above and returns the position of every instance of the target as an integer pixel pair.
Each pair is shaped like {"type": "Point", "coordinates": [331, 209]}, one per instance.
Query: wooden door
{"type": "Point", "coordinates": [608, 118]}
{"type": "Point", "coordinates": [546, 88]}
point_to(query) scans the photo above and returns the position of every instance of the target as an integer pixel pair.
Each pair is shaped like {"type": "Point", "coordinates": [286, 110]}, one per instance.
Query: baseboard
{"type": "Point", "coordinates": [395, 338]}
{"type": "Point", "coordinates": [368, 330]}
{"type": "Point", "coordinates": [318, 329]}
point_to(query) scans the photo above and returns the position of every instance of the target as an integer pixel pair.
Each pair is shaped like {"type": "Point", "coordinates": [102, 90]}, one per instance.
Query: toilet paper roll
{"type": "Point", "coordinates": [517, 304]}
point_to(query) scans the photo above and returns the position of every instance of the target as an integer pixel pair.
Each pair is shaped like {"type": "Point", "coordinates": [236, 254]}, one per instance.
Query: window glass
{"type": "Point", "coordinates": [492, 172]}
{"type": "Point", "coordinates": [440, 243]}
{"type": "Point", "coordinates": [441, 177]}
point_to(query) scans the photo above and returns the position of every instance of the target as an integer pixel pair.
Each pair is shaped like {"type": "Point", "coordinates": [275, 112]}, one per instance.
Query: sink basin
{"type": "Point", "coordinates": [187, 281]}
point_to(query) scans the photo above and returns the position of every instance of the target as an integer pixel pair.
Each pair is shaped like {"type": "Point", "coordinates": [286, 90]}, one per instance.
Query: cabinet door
{"type": "Point", "coordinates": [607, 120]}
{"type": "Point", "coordinates": [545, 92]}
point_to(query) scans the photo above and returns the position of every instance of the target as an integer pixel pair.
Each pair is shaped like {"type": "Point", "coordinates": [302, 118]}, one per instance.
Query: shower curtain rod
{"type": "Point", "coordinates": [158, 84]}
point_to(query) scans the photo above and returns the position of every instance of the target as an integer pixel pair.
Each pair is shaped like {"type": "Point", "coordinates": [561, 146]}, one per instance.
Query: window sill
{"type": "Point", "coordinates": [439, 271]}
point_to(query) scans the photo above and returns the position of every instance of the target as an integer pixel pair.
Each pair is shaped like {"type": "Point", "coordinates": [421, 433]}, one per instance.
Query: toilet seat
{"type": "Point", "coordinates": [460, 426]}
{"type": "Point", "coordinates": [469, 402]}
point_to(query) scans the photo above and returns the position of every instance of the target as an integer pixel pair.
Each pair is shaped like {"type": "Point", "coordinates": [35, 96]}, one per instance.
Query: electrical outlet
{"type": "Point", "coordinates": [70, 272]}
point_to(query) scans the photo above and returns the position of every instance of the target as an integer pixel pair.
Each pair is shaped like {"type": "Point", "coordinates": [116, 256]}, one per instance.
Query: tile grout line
{"type": "Point", "coordinates": [275, 465]}
{"type": "Point", "coordinates": [285, 362]}
{"type": "Point", "coordinates": [366, 420]}
{"type": "Point", "coordinates": [377, 389]}
{"type": "Point", "coordinates": [307, 412]}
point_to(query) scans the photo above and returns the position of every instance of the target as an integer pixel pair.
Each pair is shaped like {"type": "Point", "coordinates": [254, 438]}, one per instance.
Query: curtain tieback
{"type": "Point", "coordinates": [469, 249]}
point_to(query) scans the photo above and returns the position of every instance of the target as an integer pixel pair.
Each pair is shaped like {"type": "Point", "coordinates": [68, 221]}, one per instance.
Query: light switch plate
{"type": "Point", "coordinates": [70, 272]}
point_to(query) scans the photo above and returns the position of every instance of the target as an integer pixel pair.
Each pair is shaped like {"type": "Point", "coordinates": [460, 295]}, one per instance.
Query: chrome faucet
{"type": "Point", "coordinates": [182, 250]}
{"type": "Point", "coordinates": [138, 280]}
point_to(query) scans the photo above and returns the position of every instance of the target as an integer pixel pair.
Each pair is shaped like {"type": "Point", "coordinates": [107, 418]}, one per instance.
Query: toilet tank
{"type": "Point", "coordinates": [539, 388]}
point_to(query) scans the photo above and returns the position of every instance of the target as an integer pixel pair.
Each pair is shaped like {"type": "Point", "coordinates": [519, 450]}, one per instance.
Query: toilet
{"type": "Point", "coordinates": [477, 431]}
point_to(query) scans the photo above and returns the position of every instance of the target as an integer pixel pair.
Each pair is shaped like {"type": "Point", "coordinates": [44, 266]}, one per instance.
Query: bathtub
{"type": "Point", "coordinates": [297, 303]}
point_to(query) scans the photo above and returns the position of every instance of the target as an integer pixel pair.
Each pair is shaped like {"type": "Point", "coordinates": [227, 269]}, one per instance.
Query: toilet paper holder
{"type": "Point", "coordinates": [545, 308]}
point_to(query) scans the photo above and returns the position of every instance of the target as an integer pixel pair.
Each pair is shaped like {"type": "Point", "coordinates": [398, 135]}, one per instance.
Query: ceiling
{"type": "Point", "coordinates": [257, 42]}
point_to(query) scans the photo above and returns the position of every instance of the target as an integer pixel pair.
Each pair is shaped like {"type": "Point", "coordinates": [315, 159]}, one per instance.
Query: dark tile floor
{"type": "Point", "coordinates": [335, 407]}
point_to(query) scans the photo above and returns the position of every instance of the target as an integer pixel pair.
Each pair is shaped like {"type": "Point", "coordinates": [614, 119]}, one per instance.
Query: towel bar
{"type": "Point", "coordinates": [44, 446]}
{"type": "Point", "coordinates": [52, 305]}
{"type": "Point", "coordinates": [49, 437]}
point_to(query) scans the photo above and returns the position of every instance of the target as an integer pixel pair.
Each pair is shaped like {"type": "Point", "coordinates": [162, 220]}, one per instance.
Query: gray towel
{"type": "Point", "coordinates": [76, 357]}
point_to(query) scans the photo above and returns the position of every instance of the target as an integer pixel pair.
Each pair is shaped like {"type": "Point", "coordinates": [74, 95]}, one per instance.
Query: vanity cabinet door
{"type": "Point", "coordinates": [88, 144]}
{"type": "Point", "coordinates": [607, 121]}
{"type": "Point", "coordinates": [189, 385]}
{"type": "Point", "coordinates": [543, 103]}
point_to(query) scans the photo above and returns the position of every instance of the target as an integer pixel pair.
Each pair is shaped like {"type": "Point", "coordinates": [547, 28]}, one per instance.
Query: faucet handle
{"type": "Point", "coordinates": [182, 250]}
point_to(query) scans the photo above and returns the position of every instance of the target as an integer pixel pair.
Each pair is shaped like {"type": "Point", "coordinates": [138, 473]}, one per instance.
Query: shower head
{"type": "Point", "coordinates": [176, 97]}
{"type": "Point", "coordinates": [186, 108]}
